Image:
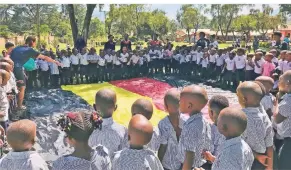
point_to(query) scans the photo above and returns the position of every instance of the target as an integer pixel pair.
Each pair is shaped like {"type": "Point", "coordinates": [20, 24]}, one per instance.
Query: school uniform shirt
{"type": "Point", "coordinates": [217, 139]}
{"type": "Point", "coordinates": [84, 60]}
{"type": "Point", "coordinates": [112, 135]}
{"type": "Point", "coordinates": [220, 60]}
{"type": "Point", "coordinates": [75, 59]}
{"type": "Point", "coordinates": [134, 59]}
{"type": "Point", "coordinates": [11, 84]}
{"type": "Point", "coordinates": [268, 67]}
{"type": "Point", "coordinates": [199, 57]}
{"type": "Point", "coordinates": [134, 159]}
{"type": "Point", "coordinates": [54, 68]}
{"type": "Point", "coordinates": [93, 58]}
{"type": "Point", "coordinates": [101, 61]}
{"type": "Point", "coordinates": [182, 59]}
{"type": "Point", "coordinates": [66, 63]}
{"type": "Point", "coordinates": [259, 132]}
{"type": "Point", "coordinates": [159, 54]}
{"type": "Point", "coordinates": [284, 128]}
{"type": "Point", "coordinates": [43, 65]}
{"type": "Point", "coordinates": [204, 62]}
{"type": "Point", "coordinates": [168, 137]}
{"type": "Point", "coordinates": [280, 64]}
{"type": "Point", "coordinates": [109, 58]}
{"type": "Point", "coordinates": [123, 57]}
{"type": "Point", "coordinates": [116, 60]}
{"type": "Point", "coordinates": [194, 55]}
{"type": "Point", "coordinates": [275, 60]}
{"type": "Point", "coordinates": [147, 57]}
{"type": "Point", "coordinates": [141, 60]}
{"type": "Point", "coordinates": [152, 54]}
{"type": "Point", "coordinates": [99, 161]}
{"type": "Point", "coordinates": [248, 67]}
{"type": "Point", "coordinates": [195, 137]}
{"type": "Point", "coordinates": [268, 102]}
{"type": "Point", "coordinates": [229, 64]}
{"type": "Point", "coordinates": [4, 104]}
{"type": "Point", "coordinates": [286, 66]}
{"type": "Point", "coordinates": [234, 154]}
{"type": "Point", "coordinates": [28, 160]}
{"type": "Point", "coordinates": [212, 58]}
{"type": "Point", "coordinates": [188, 58]}
{"type": "Point", "coordinates": [240, 61]}
{"type": "Point", "coordinates": [258, 70]}
{"type": "Point", "coordinates": [177, 57]}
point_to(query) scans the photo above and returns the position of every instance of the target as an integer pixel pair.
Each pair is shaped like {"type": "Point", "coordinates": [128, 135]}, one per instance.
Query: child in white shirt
{"type": "Point", "coordinates": [101, 66]}
{"type": "Point", "coordinates": [204, 65]}
{"type": "Point", "coordinates": [92, 58]}
{"type": "Point", "coordinates": [212, 59]}
{"type": "Point", "coordinates": [259, 61]}
{"type": "Point", "coordinates": [240, 64]}
{"type": "Point", "coordinates": [110, 66]}
{"type": "Point", "coordinates": [198, 60]}
{"type": "Point", "coordinates": [84, 70]}
{"type": "Point", "coordinates": [55, 74]}
{"type": "Point", "coordinates": [249, 67]}
{"type": "Point", "coordinates": [75, 60]}
{"type": "Point", "coordinates": [66, 65]}
{"type": "Point", "coordinates": [133, 63]}
{"type": "Point", "coordinates": [124, 59]}
{"type": "Point", "coordinates": [228, 76]}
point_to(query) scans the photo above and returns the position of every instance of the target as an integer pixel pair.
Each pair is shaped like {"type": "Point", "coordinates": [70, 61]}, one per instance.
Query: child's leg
{"type": "Point", "coordinates": [46, 78]}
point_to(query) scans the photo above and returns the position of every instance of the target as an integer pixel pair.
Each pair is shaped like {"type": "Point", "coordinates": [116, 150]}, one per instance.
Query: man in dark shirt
{"type": "Point", "coordinates": [125, 43]}
{"type": "Point", "coordinates": [110, 44]}
{"type": "Point", "coordinates": [202, 42]}
{"type": "Point", "coordinates": [279, 44]}
{"type": "Point", "coordinates": [80, 43]}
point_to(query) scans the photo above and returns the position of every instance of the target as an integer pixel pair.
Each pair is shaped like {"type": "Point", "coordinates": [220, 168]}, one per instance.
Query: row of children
{"type": "Point", "coordinates": [237, 139]}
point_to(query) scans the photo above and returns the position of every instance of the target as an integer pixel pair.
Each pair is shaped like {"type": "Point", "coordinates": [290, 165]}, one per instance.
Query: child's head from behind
{"type": "Point", "coordinates": [9, 61]}
{"type": "Point", "coordinates": [4, 77]}
{"type": "Point", "coordinates": [268, 82]}
{"type": "Point", "coordinates": [6, 66]}
{"type": "Point", "coordinates": [105, 102]}
{"type": "Point", "coordinates": [215, 105]}
{"type": "Point", "coordinates": [231, 122]}
{"type": "Point", "coordinates": [9, 47]}
{"type": "Point", "coordinates": [249, 94]}
{"type": "Point", "coordinates": [21, 135]}
{"type": "Point", "coordinates": [171, 101]}
{"type": "Point", "coordinates": [79, 125]}
{"type": "Point", "coordinates": [143, 107]}
{"type": "Point", "coordinates": [193, 99]}
{"type": "Point", "coordinates": [285, 82]}
{"type": "Point", "coordinates": [269, 57]}
{"type": "Point", "coordinates": [140, 131]}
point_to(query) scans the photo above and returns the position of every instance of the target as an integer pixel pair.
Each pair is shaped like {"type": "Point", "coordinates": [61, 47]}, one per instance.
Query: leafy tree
{"type": "Point", "coordinates": [4, 31]}
{"type": "Point", "coordinates": [244, 24]}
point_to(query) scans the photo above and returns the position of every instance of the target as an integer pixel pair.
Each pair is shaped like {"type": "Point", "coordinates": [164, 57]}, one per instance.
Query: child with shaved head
{"type": "Point", "coordinates": [4, 102]}
{"type": "Point", "coordinates": [215, 105]}
{"type": "Point", "coordinates": [234, 153]}
{"type": "Point", "coordinates": [283, 120]}
{"type": "Point", "coordinates": [259, 132]}
{"type": "Point", "coordinates": [21, 137]}
{"type": "Point", "coordinates": [170, 130]}
{"type": "Point", "coordinates": [145, 108]}
{"type": "Point", "coordinates": [196, 131]}
{"type": "Point", "coordinates": [268, 100]}
{"type": "Point", "coordinates": [137, 157]}
{"type": "Point", "coordinates": [112, 135]}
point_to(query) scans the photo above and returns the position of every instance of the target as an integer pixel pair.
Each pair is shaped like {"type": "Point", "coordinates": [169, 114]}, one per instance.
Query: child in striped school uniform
{"type": "Point", "coordinates": [170, 130]}
{"type": "Point", "coordinates": [21, 138]}
{"type": "Point", "coordinates": [112, 135]}
{"type": "Point", "coordinates": [4, 102]}
{"type": "Point", "coordinates": [259, 132]}
{"type": "Point", "coordinates": [78, 128]}
{"type": "Point", "coordinates": [137, 157]}
{"type": "Point", "coordinates": [215, 105]}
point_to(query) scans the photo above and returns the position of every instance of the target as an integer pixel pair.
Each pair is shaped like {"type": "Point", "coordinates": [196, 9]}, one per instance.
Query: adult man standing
{"type": "Point", "coordinates": [279, 44]}
{"type": "Point", "coordinates": [256, 43]}
{"type": "Point", "coordinates": [202, 42]}
{"type": "Point", "coordinates": [125, 43]}
{"type": "Point", "coordinates": [80, 43]}
{"type": "Point", "coordinates": [110, 44]}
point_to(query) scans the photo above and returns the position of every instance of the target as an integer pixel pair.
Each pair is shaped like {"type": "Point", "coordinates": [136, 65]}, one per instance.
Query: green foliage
{"type": "Point", "coordinates": [4, 31]}
{"type": "Point", "coordinates": [265, 44]}
{"type": "Point", "coordinates": [96, 29]}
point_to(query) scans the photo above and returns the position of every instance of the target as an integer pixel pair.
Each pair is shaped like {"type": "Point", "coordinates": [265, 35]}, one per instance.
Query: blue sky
{"type": "Point", "coordinates": [171, 10]}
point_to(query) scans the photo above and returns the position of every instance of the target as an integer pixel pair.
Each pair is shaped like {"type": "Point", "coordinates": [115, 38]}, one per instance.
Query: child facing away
{"type": "Point", "coordinates": [215, 105]}
{"type": "Point", "coordinates": [145, 108]}
{"type": "Point", "coordinates": [268, 100]}
{"type": "Point", "coordinates": [234, 153]}
{"type": "Point", "coordinates": [268, 66]}
{"type": "Point", "coordinates": [112, 135]}
{"type": "Point", "coordinates": [170, 130]}
{"type": "Point", "coordinates": [21, 138]}
{"type": "Point", "coordinates": [137, 156]}
{"type": "Point", "coordinates": [4, 103]}
{"type": "Point", "coordinates": [78, 128]}
{"type": "Point", "coordinates": [259, 132]}
{"type": "Point", "coordinates": [196, 132]}
{"type": "Point", "coordinates": [283, 120]}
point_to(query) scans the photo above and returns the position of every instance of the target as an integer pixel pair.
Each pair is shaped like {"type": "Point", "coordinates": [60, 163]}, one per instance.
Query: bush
{"type": "Point", "coordinates": [265, 44]}
{"type": "Point", "coordinates": [43, 43]}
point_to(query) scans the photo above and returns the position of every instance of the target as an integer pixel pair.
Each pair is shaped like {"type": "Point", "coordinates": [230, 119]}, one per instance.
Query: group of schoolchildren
{"type": "Point", "coordinates": [258, 136]}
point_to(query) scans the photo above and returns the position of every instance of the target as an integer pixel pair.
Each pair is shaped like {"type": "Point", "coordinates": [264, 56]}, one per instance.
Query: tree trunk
{"type": "Point", "coordinates": [73, 22]}
{"type": "Point", "coordinates": [38, 25]}
{"type": "Point", "coordinates": [89, 12]}
{"type": "Point", "coordinates": [188, 32]}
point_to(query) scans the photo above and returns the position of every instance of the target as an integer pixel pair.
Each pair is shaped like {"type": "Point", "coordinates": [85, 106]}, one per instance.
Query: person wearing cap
{"type": "Point", "coordinates": [110, 44]}
{"type": "Point", "coordinates": [125, 43]}
{"type": "Point", "coordinates": [202, 42]}
{"type": "Point", "coordinates": [279, 44]}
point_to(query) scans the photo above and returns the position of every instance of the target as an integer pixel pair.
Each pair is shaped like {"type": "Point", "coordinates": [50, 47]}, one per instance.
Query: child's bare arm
{"type": "Point", "coordinates": [162, 151]}
{"type": "Point", "coordinates": [188, 162]}
{"type": "Point", "coordinates": [270, 159]}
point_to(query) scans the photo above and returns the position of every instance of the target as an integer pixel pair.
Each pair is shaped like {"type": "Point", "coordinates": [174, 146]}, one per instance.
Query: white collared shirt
{"type": "Point", "coordinates": [204, 62]}
{"type": "Point", "coordinates": [248, 66]}
{"type": "Point", "coordinates": [11, 84]}
{"type": "Point", "coordinates": [93, 58]}
{"type": "Point", "coordinates": [240, 61]}
{"type": "Point", "coordinates": [4, 103]}
{"type": "Point", "coordinates": [220, 60]}
{"type": "Point", "coordinates": [284, 128]}
{"type": "Point", "coordinates": [188, 58]}
{"type": "Point", "coordinates": [194, 55]}
{"type": "Point", "coordinates": [229, 64]}
{"type": "Point", "coordinates": [212, 58]}
{"type": "Point", "coordinates": [286, 66]}
{"type": "Point", "coordinates": [124, 57]}
{"type": "Point", "coordinates": [109, 58]}
{"type": "Point", "coordinates": [199, 57]}
{"type": "Point", "coordinates": [43, 65]}
{"type": "Point", "coordinates": [258, 70]}
{"type": "Point", "coordinates": [84, 60]}
{"type": "Point", "coordinates": [54, 68]}
{"type": "Point", "coordinates": [101, 61]}
{"type": "Point", "coordinates": [66, 62]}
{"type": "Point", "coordinates": [75, 59]}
